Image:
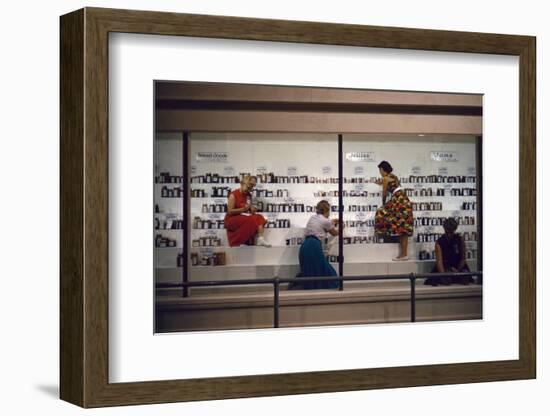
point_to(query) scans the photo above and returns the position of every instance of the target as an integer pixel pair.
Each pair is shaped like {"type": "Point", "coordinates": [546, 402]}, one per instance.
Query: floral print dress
{"type": "Point", "coordinates": [395, 217]}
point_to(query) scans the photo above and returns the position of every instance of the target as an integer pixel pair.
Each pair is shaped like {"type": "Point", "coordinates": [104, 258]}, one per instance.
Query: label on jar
{"type": "Point", "coordinates": [358, 170]}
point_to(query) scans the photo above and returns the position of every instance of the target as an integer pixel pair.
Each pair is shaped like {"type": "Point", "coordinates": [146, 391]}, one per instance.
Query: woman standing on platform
{"type": "Point", "coordinates": [394, 217]}
{"type": "Point", "coordinates": [241, 221]}
{"type": "Point", "coordinates": [313, 262]}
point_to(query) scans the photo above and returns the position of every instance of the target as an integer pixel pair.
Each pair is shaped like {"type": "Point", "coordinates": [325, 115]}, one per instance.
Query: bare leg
{"type": "Point", "coordinates": [260, 230]}
{"type": "Point", "coordinates": [403, 245]}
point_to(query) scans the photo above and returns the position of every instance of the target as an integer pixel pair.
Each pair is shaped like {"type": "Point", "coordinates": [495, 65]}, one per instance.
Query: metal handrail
{"type": "Point", "coordinates": [276, 282]}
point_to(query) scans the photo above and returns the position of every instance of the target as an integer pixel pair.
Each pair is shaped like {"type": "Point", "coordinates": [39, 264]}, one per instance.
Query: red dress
{"type": "Point", "coordinates": [240, 228]}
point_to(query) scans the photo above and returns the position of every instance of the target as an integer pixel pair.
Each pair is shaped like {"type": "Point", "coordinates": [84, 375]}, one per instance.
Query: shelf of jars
{"type": "Point", "coordinates": [281, 200]}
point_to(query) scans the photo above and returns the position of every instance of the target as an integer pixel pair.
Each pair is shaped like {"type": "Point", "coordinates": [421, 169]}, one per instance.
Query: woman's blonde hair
{"type": "Point", "coordinates": [322, 207]}
{"type": "Point", "coordinates": [247, 178]}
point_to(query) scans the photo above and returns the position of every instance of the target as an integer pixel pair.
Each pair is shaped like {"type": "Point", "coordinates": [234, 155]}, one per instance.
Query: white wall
{"type": "Point", "coordinates": [29, 220]}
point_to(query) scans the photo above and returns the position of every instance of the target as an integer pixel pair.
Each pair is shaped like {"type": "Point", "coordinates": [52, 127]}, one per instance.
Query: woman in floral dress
{"type": "Point", "coordinates": [394, 217]}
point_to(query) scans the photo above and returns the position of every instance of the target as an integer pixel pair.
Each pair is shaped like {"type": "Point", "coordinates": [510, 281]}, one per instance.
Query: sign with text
{"type": "Point", "coordinates": [193, 170]}
{"type": "Point", "coordinates": [362, 231]}
{"type": "Point", "coordinates": [444, 156]}
{"type": "Point", "coordinates": [471, 170]}
{"type": "Point", "coordinates": [416, 170]}
{"type": "Point", "coordinates": [292, 171]}
{"type": "Point", "coordinates": [443, 170]}
{"type": "Point", "coordinates": [358, 170]}
{"type": "Point", "coordinates": [327, 170]}
{"type": "Point", "coordinates": [261, 169]}
{"type": "Point", "coordinates": [361, 156]}
{"type": "Point", "coordinates": [212, 157]}
{"type": "Point", "coordinates": [229, 170]}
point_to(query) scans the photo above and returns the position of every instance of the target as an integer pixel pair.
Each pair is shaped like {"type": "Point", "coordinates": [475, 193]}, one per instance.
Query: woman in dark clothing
{"type": "Point", "coordinates": [450, 255]}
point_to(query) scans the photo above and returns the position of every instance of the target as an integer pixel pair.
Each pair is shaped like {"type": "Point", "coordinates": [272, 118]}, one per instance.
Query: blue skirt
{"type": "Point", "coordinates": [313, 263]}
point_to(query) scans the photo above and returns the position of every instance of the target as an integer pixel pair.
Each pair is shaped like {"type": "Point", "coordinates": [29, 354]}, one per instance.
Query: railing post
{"type": "Point", "coordinates": [412, 279]}
{"type": "Point", "coordinates": [276, 303]}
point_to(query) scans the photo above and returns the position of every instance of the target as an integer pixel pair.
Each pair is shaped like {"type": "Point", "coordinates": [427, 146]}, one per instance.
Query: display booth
{"type": "Point", "coordinates": [304, 145]}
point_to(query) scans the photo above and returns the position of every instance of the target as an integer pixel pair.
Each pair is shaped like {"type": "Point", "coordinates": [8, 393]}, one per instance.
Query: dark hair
{"type": "Point", "coordinates": [450, 225]}
{"type": "Point", "coordinates": [386, 166]}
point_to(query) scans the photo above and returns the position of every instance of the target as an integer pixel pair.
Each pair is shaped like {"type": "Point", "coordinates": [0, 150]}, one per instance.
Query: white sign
{"type": "Point", "coordinates": [361, 156]}
{"type": "Point", "coordinates": [327, 170]}
{"type": "Point", "coordinates": [229, 170]}
{"type": "Point", "coordinates": [416, 170]}
{"type": "Point", "coordinates": [193, 170]}
{"type": "Point", "coordinates": [292, 171]}
{"type": "Point", "coordinates": [471, 170]}
{"type": "Point", "coordinates": [361, 231]}
{"type": "Point", "coordinates": [358, 170]}
{"type": "Point", "coordinates": [261, 169]}
{"type": "Point", "coordinates": [443, 170]}
{"type": "Point", "coordinates": [444, 156]}
{"type": "Point", "coordinates": [212, 157]}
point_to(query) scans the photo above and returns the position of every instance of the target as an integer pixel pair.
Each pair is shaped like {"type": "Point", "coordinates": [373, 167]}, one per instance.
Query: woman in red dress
{"type": "Point", "coordinates": [241, 221]}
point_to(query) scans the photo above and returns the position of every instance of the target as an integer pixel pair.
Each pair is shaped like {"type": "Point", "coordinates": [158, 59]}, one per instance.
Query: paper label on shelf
{"type": "Point", "coordinates": [358, 170]}
{"type": "Point", "coordinates": [261, 169]}
{"type": "Point", "coordinates": [362, 231]}
{"type": "Point", "coordinates": [448, 186]}
{"type": "Point", "coordinates": [271, 215]}
{"type": "Point", "coordinates": [471, 170]}
{"type": "Point", "coordinates": [214, 216]}
{"type": "Point", "coordinates": [361, 156]}
{"type": "Point", "coordinates": [292, 171]}
{"type": "Point", "coordinates": [289, 200]}
{"type": "Point", "coordinates": [229, 170]}
{"type": "Point", "coordinates": [419, 185]}
{"type": "Point", "coordinates": [193, 170]}
{"type": "Point", "coordinates": [211, 232]}
{"type": "Point", "coordinates": [443, 170]}
{"type": "Point", "coordinates": [359, 187]}
{"type": "Point", "coordinates": [220, 201]}
{"type": "Point", "coordinates": [361, 215]}
{"type": "Point", "coordinates": [429, 228]}
{"type": "Point", "coordinates": [444, 156]}
{"type": "Point", "coordinates": [326, 170]}
{"type": "Point", "coordinates": [416, 170]}
{"type": "Point", "coordinates": [455, 214]}
{"type": "Point", "coordinates": [212, 157]}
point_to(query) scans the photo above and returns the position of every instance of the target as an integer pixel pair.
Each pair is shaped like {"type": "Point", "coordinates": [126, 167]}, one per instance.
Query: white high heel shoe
{"type": "Point", "coordinates": [401, 258]}
{"type": "Point", "coordinates": [261, 242]}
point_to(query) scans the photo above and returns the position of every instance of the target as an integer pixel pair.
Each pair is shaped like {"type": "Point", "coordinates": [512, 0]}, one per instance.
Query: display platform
{"type": "Point", "coordinates": [358, 303]}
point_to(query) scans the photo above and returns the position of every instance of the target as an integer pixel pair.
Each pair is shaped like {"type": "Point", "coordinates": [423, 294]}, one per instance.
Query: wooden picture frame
{"type": "Point", "coordinates": [84, 207]}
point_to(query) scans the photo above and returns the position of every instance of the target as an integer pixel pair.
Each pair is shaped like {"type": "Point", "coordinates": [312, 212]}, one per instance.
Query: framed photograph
{"type": "Point", "coordinates": [255, 207]}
